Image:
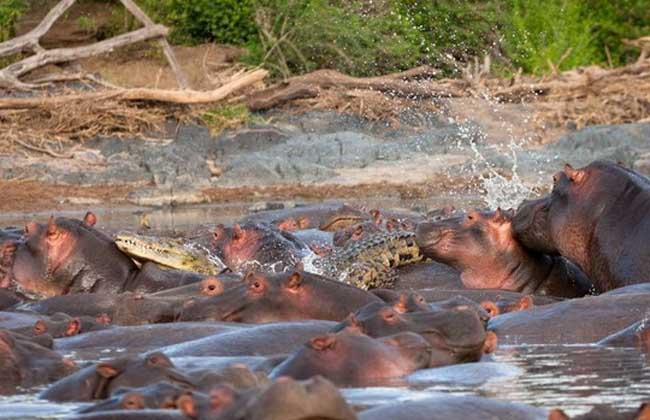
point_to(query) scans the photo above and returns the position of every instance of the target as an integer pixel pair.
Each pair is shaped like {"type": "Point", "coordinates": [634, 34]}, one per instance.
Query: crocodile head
{"type": "Point", "coordinates": [171, 253]}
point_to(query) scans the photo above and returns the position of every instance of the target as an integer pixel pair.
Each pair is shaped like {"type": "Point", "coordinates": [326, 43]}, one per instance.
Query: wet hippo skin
{"type": "Point", "coordinates": [481, 246]}
{"type": "Point", "coordinates": [598, 217]}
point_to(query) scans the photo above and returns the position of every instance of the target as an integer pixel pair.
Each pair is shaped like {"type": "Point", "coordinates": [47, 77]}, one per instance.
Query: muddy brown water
{"type": "Point", "coordinates": [574, 377]}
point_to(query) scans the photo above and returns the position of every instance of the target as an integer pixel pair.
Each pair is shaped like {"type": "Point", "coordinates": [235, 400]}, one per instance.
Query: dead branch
{"type": "Point", "coordinates": [10, 74]}
{"type": "Point", "coordinates": [186, 97]}
{"type": "Point", "coordinates": [30, 39]}
{"type": "Point", "coordinates": [167, 49]}
{"type": "Point", "coordinates": [279, 95]}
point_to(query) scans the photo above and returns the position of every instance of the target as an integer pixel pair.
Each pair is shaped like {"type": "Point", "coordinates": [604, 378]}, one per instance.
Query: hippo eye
{"type": "Point", "coordinates": [212, 287]}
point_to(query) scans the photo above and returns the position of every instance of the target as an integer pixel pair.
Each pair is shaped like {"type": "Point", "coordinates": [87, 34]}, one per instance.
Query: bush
{"type": "Point", "coordinates": [452, 31]}
{"type": "Point", "coordinates": [10, 11]}
{"type": "Point", "coordinates": [225, 21]}
{"type": "Point", "coordinates": [300, 36]}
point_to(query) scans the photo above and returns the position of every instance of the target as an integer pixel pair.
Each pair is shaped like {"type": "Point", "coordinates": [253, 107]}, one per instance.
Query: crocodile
{"type": "Point", "coordinates": [367, 263]}
{"type": "Point", "coordinates": [169, 253]}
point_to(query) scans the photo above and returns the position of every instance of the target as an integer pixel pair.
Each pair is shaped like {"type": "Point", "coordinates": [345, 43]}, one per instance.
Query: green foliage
{"type": "Point", "coordinates": [225, 21]}
{"type": "Point", "coordinates": [452, 31]}
{"type": "Point", "coordinates": [220, 118]}
{"type": "Point", "coordinates": [539, 32]}
{"type": "Point", "coordinates": [10, 11]}
{"type": "Point", "coordinates": [299, 36]}
{"type": "Point", "coordinates": [87, 24]}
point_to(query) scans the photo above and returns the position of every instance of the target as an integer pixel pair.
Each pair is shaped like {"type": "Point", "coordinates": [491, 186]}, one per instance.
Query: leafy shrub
{"type": "Point", "coordinates": [453, 32]}
{"type": "Point", "coordinates": [225, 21]}
{"type": "Point", "coordinates": [10, 11]}
{"type": "Point", "coordinates": [300, 36]}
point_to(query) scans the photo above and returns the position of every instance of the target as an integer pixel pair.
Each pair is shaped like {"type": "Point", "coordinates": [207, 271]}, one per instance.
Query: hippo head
{"type": "Point", "coordinates": [342, 217]}
{"type": "Point", "coordinates": [285, 398]}
{"type": "Point", "coordinates": [350, 357]}
{"type": "Point", "coordinates": [100, 380]}
{"type": "Point", "coordinates": [403, 302]}
{"type": "Point", "coordinates": [62, 325]}
{"type": "Point", "coordinates": [456, 335]}
{"type": "Point", "coordinates": [564, 221]}
{"type": "Point", "coordinates": [252, 246]}
{"type": "Point", "coordinates": [66, 255]}
{"type": "Point", "coordinates": [161, 395]}
{"type": "Point", "coordinates": [25, 363]}
{"type": "Point", "coordinates": [480, 245]}
{"type": "Point", "coordinates": [262, 297]}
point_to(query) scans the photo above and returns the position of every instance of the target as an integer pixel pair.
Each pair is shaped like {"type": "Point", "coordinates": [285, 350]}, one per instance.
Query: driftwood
{"type": "Point", "coordinates": [186, 97]}
{"type": "Point", "coordinates": [413, 84]}
{"type": "Point", "coordinates": [10, 75]}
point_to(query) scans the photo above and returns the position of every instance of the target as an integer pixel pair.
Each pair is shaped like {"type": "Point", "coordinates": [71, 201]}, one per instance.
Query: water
{"type": "Point", "coordinates": [573, 378]}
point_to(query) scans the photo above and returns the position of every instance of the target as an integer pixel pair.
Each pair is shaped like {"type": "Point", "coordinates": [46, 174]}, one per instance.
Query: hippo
{"type": "Point", "coordinates": [145, 337]}
{"type": "Point", "coordinates": [279, 297]}
{"type": "Point", "coordinates": [284, 399]}
{"type": "Point", "coordinates": [24, 363]}
{"type": "Point", "coordinates": [453, 407]}
{"type": "Point", "coordinates": [482, 295]}
{"type": "Point", "coordinates": [456, 335]}
{"type": "Point", "coordinates": [350, 357]}
{"type": "Point", "coordinates": [254, 246]}
{"type": "Point", "coordinates": [482, 247]}
{"type": "Point", "coordinates": [8, 298]}
{"type": "Point", "coordinates": [604, 412]}
{"type": "Point", "coordinates": [597, 217]}
{"type": "Point", "coordinates": [146, 414]}
{"type": "Point", "coordinates": [326, 217]}
{"type": "Point", "coordinates": [557, 323]}
{"type": "Point", "coordinates": [236, 375]}
{"type": "Point", "coordinates": [260, 340]}
{"type": "Point", "coordinates": [425, 275]}
{"type": "Point", "coordinates": [161, 395]}
{"type": "Point", "coordinates": [403, 302]}
{"type": "Point", "coordinates": [636, 335]}
{"type": "Point", "coordinates": [120, 309]}
{"type": "Point", "coordinates": [98, 381]}
{"type": "Point", "coordinates": [207, 286]}
{"type": "Point", "coordinates": [66, 256]}
{"type": "Point", "coordinates": [63, 325]}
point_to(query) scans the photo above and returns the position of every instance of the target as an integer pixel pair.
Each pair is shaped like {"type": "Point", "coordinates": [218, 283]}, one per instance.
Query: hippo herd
{"type": "Point", "coordinates": [273, 337]}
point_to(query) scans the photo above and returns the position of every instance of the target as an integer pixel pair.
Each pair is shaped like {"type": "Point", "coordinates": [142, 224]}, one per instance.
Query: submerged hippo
{"type": "Point", "coordinates": [284, 399]}
{"type": "Point", "coordinates": [279, 297]}
{"type": "Point", "coordinates": [455, 335]}
{"type": "Point", "coordinates": [482, 247]}
{"type": "Point", "coordinates": [350, 357]}
{"type": "Point", "coordinates": [598, 217]}
{"type": "Point", "coordinates": [160, 395]}
{"type": "Point", "coordinates": [24, 363]}
{"type": "Point", "coordinates": [585, 320]}
{"type": "Point", "coordinates": [326, 217]}
{"type": "Point", "coordinates": [98, 381]}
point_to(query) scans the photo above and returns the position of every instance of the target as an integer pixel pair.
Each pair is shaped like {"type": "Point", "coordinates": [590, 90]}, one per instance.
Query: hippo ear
{"type": "Point", "coordinates": [501, 217]}
{"type": "Point", "coordinates": [187, 405]}
{"type": "Point", "coordinates": [524, 303]}
{"type": "Point", "coordinates": [220, 396]}
{"type": "Point", "coordinates": [557, 414]}
{"type": "Point", "coordinates": [237, 232]}
{"type": "Point", "coordinates": [73, 327]}
{"type": "Point", "coordinates": [40, 327]}
{"type": "Point", "coordinates": [294, 281]}
{"type": "Point", "coordinates": [491, 308]}
{"type": "Point", "coordinates": [353, 322]}
{"type": "Point", "coordinates": [218, 231]}
{"type": "Point", "coordinates": [106, 370]}
{"type": "Point", "coordinates": [303, 222]}
{"type": "Point", "coordinates": [574, 175]}
{"type": "Point", "coordinates": [90, 219]}
{"type": "Point", "coordinates": [490, 343]}
{"type": "Point", "coordinates": [52, 229]}
{"type": "Point", "coordinates": [402, 304]}
{"type": "Point", "coordinates": [158, 359]}
{"type": "Point", "coordinates": [132, 401]}
{"type": "Point", "coordinates": [324, 342]}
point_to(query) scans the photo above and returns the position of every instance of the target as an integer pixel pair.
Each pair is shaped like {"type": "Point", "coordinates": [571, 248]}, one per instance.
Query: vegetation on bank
{"type": "Point", "coordinates": [364, 37]}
